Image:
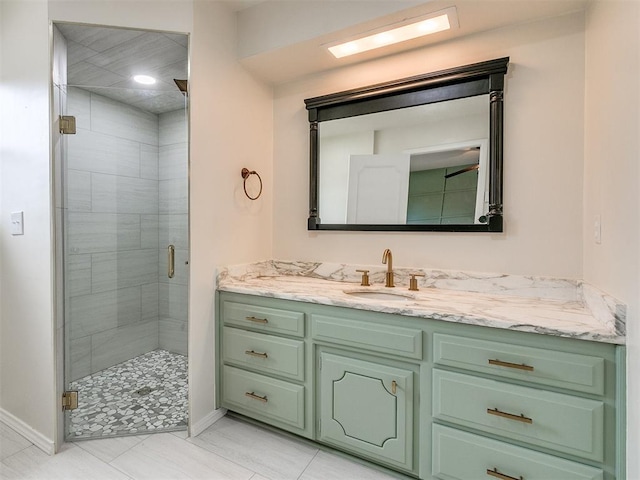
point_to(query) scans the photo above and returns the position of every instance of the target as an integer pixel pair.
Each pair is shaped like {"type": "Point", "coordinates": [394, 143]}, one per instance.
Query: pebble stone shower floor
{"type": "Point", "coordinates": [144, 394]}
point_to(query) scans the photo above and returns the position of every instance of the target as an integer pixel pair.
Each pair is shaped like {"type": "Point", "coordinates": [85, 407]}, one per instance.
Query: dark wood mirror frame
{"type": "Point", "coordinates": [460, 82]}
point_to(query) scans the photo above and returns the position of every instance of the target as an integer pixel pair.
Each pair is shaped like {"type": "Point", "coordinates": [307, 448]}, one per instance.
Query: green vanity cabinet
{"type": "Point", "coordinates": [427, 398]}
{"type": "Point", "coordinates": [366, 407]}
{"type": "Point", "coordinates": [263, 369]}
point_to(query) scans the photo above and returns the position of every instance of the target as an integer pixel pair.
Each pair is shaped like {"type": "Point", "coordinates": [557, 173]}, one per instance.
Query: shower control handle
{"type": "Point", "coordinates": [171, 251]}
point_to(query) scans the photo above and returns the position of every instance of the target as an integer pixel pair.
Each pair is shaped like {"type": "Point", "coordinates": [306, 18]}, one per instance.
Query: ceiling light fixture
{"type": "Point", "coordinates": [433, 24]}
{"type": "Point", "coordinates": [144, 79]}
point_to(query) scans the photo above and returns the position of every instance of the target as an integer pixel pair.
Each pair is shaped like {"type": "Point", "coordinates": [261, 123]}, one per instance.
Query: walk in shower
{"type": "Point", "coordinates": [123, 182]}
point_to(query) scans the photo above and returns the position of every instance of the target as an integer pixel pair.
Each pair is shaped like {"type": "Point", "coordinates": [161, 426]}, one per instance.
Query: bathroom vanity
{"type": "Point", "coordinates": [469, 377]}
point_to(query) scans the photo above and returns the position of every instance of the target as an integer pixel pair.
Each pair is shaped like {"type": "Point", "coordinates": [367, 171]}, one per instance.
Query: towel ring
{"type": "Point", "coordinates": [246, 173]}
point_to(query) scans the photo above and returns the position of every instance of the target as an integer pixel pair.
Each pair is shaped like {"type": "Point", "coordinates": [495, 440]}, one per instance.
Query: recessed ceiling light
{"type": "Point", "coordinates": [423, 27]}
{"type": "Point", "coordinates": [144, 79]}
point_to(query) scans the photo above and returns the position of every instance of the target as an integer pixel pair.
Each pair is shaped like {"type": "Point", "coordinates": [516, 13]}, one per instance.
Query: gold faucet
{"type": "Point", "coordinates": [388, 259]}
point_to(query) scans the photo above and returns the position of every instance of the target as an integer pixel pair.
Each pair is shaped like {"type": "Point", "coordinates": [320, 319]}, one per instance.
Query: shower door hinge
{"type": "Point", "coordinates": [69, 400]}
{"type": "Point", "coordinates": [67, 124]}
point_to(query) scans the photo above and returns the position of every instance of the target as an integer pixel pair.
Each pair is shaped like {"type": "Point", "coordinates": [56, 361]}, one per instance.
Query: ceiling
{"type": "Point", "coordinates": [281, 40]}
{"type": "Point", "coordinates": [278, 41]}
{"type": "Point", "coordinates": [104, 60]}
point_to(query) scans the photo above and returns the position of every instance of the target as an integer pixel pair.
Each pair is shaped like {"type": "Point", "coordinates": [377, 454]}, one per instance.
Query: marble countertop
{"type": "Point", "coordinates": [547, 306]}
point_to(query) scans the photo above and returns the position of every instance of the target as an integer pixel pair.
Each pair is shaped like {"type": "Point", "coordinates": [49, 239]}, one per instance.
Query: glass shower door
{"type": "Point", "coordinates": [125, 186]}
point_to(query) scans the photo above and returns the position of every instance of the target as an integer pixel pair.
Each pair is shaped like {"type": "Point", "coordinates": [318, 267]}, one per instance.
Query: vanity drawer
{"type": "Point", "coordinates": [400, 341]}
{"type": "Point", "coordinates": [263, 397]}
{"type": "Point", "coordinates": [480, 455]}
{"type": "Point", "coordinates": [266, 353]}
{"type": "Point", "coordinates": [560, 422]}
{"type": "Point", "coordinates": [267, 319]}
{"type": "Point", "coordinates": [581, 373]}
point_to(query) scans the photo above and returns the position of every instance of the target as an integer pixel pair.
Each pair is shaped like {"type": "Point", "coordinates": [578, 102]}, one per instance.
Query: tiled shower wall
{"type": "Point", "coordinates": [113, 232]}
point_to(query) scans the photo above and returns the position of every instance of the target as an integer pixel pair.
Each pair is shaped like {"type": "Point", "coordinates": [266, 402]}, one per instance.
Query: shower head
{"type": "Point", "coordinates": [182, 85]}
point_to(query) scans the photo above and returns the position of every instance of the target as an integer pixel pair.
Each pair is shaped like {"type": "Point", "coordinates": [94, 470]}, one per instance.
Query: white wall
{"type": "Point", "coordinates": [27, 370]}
{"type": "Point", "coordinates": [228, 107]}
{"type": "Point", "coordinates": [612, 146]}
{"type": "Point", "coordinates": [543, 154]}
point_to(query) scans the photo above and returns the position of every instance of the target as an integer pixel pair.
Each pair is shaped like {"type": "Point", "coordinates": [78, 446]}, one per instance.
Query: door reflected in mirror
{"type": "Point", "coordinates": [421, 165]}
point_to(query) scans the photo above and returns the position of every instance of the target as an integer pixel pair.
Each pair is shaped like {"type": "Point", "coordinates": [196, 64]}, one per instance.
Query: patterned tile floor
{"type": "Point", "coordinates": [145, 394]}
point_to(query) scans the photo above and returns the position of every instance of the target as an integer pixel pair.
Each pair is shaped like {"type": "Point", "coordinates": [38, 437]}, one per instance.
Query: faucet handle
{"type": "Point", "coordinates": [365, 278]}
{"type": "Point", "coordinates": [413, 281]}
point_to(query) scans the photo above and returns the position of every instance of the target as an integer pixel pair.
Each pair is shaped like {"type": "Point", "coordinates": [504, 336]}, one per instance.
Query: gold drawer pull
{"type": "Point", "coordinates": [495, 473]}
{"type": "Point", "coordinates": [394, 386]}
{"type": "Point", "coordinates": [518, 366]}
{"type": "Point", "coordinates": [510, 416]}
{"type": "Point", "coordinates": [257, 320]}
{"type": "Point", "coordinates": [256, 354]}
{"type": "Point", "coordinates": [256, 397]}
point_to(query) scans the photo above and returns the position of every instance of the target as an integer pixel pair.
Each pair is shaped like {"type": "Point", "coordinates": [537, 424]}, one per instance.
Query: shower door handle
{"type": "Point", "coordinates": [171, 252]}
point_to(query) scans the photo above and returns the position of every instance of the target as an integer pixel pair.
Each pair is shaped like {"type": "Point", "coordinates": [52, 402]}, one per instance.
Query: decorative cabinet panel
{"type": "Point", "coordinates": [367, 407]}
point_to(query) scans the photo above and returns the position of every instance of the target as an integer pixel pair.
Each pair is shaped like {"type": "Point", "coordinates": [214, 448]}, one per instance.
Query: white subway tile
{"type": "Point", "coordinates": [174, 230]}
{"type": "Point", "coordinates": [173, 196]}
{"type": "Point", "coordinates": [111, 271]}
{"type": "Point", "coordinates": [96, 152]}
{"type": "Point", "coordinates": [78, 190]}
{"type": "Point", "coordinates": [120, 344]}
{"type": "Point", "coordinates": [149, 156]}
{"type": "Point", "coordinates": [173, 161]}
{"type": "Point", "coordinates": [118, 194]}
{"type": "Point", "coordinates": [102, 232]}
{"type": "Point", "coordinates": [173, 127]}
{"type": "Point", "coordinates": [119, 120]}
{"type": "Point", "coordinates": [77, 275]}
{"type": "Point", "coordinates": [98, 312]}
{"type": "Point", "coordinates": [173, 301]}
{"type": "Point", "coordinates": [149, 231]}
{"type": "Point", "coordinates": [173, 335]}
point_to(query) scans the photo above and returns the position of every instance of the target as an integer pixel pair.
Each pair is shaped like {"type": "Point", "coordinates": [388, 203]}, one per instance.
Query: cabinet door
{"type": "Point", "coordinates": [368, 408]}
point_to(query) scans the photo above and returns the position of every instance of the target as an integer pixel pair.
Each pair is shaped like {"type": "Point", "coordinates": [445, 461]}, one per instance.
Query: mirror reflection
{"type": "Point", "coordinates": [424, 164]}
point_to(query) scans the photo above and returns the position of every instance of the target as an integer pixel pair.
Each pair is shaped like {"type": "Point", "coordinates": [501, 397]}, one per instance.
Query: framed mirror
{"type": "Point", "coordinates": [417, 154]}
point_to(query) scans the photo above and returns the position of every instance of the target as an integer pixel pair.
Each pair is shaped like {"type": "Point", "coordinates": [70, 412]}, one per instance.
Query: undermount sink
{"type": "Point", "coordinates": [378, 295]}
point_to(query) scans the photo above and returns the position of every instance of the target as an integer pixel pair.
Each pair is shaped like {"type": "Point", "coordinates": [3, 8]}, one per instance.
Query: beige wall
{"type": "Point", "coordinates": [228, 107]}
{"type": "Point", "coordinates": [611, 188]}
{"type": "Point", "coordinates": [543, 158]}
{"type": "Point", "coordinates": [231, 128]}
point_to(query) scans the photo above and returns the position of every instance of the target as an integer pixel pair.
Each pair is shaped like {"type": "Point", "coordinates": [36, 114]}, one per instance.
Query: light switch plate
{"type": "Point", "coordinates": [17, 223]}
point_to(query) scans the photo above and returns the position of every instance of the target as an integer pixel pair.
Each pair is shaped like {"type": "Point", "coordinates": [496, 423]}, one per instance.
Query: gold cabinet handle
{"type": "Point", "coordinates": [256, 397]}
{"type": "Point", "coordinates": [171, 252]}
{"type": "Point", "coordinates": [256, 354]}
{"type": "Point", "coordinates": [257, 320]}
{"type": "Point", "coordinates": [517, 366]}
{"type": "Point", "coordinates": [394, 386]}
{"type": "Point", "coordinates": [510, 416]}
{"type": "Point", "coordinates": [495, 473]}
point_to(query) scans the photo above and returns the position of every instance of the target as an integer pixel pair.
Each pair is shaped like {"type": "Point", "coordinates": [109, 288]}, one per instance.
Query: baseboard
{"type": "Point", "coordinates": [39, 440]}
{"type": "Point", "coordinates": [199, 427]}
